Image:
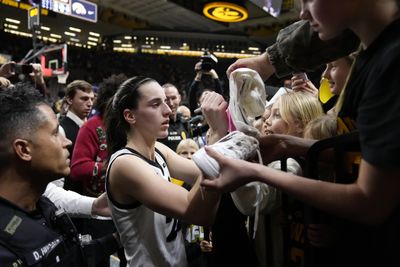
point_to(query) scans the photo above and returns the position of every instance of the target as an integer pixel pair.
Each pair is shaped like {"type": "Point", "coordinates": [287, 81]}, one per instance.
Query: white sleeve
{"type": "Point", "coordinates": [247, 197]}
{"type": "Point", "coordinates": [73, 203]}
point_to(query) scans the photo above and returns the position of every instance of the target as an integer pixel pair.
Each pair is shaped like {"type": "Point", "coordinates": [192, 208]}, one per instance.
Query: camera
{"type": "Point", "coordinates": [195, 126]}
{"type": "Point", "coordinates": [208, 61]}
{"type": "Point", "coordinates": [22, 68]}
{"type": "Point", "coordinates": [194, 121]}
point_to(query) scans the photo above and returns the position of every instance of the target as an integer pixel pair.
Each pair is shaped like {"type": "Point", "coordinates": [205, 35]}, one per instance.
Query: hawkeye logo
{"type": "Point", "coordinates": [225, 12]}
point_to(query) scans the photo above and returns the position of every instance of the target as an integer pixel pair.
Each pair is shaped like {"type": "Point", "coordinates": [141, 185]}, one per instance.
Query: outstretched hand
{"type": "Point", "coordinates": [279, 146]}
{"type": "Point", "coordinates": [206, 246]}
{"type": "Point", "coordinates": [214, 107]}
{"type": "Point", "coordinates": [259, 63]}
{"type": "Point", "coordinates": [302, 83]}
{"type": "Point", "coordinates": [100, 206]}
{"type": "Point", "coordinates": [233, 173]}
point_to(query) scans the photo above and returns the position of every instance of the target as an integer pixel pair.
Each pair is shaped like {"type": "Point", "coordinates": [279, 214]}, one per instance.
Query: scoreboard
{"type": "Point", "coordinates": [81, 9]}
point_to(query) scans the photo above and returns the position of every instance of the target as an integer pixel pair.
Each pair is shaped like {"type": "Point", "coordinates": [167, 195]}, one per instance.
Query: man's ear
{"type": "Point", "coordinates": [129, 116]}
{"type": "Point", "coordinates": [22, 149]}
{"type": "Point", "coordinates": [68, 100]}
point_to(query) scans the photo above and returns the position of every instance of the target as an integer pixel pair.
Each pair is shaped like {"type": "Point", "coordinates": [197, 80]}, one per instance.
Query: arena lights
{"type": "Point", "coordinates": [11, 26]}
{"type": "Point", "coordinates": [25, 34]}
{"type": "Point", "coordinates": [165, 47]}
{"type": "Point", "coordinates": [188, 53]}
{"type": "Point", "coordinates": [125, 49]}
{"type": "Point", "coordinates": [94, 34]}
{"type": "Point", "coordinates": [74, 29]}
{"type": "Point", "coordinates": [70, 34]}
{"type": "Point", "coordinates": [55, 35]}
{"type": "Point", "coordinates": [13, 21]}
{"type": "Point", "coordinates": [225, 12]}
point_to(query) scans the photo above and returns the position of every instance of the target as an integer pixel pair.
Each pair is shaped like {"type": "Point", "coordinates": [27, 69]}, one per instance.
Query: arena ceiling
{"type": "Point", "coordinates": [187, 16]}
{"type": "Point", "coordinates": [117, 18]}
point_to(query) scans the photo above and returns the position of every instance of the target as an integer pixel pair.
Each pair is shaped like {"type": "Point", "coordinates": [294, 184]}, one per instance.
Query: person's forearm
{"type": "Point", "coordinates": [192, 96]}
{"type": "Point", "coordinates": [343, 200]}
{"type": "Point", "coordinates": [203, 205]}
{"type": "Point", "coordinates": [73, 203]}
{"type": "Point", "coordinates": [278, 146]}
{"type": "Point", "coordinates": [297, 146]}
{"type": "Point", "coordinates": [213, 136]}
{"type": "Point", "coordinates": [298, 48]}
{"type": "Point", "coordinates": [217, 86]}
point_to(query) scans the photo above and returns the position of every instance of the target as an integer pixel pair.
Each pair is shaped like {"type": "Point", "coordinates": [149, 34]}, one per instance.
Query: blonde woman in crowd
{"type": "Point", "coordinates": [288, 115]}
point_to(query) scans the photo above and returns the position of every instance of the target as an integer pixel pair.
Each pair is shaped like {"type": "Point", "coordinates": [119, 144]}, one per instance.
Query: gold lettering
{"type": "Point", "coordinates": [10, 3]}
{"type": "Point", "coordinates": [24, 6]}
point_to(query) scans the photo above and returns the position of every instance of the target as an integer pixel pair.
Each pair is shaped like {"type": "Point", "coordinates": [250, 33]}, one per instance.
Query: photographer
{"type": "Point", "coordinates": [206, 66]}
{"type": "Point", "coordinates": [12, 72]}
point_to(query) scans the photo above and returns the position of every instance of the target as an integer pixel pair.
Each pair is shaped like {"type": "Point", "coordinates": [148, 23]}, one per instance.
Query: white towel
{"type": "Point", "coordinates": [247, 98]}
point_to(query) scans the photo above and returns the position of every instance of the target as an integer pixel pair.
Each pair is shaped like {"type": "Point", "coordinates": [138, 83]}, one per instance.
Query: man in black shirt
{"type": "Point", "coordinates": [79, 96]}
